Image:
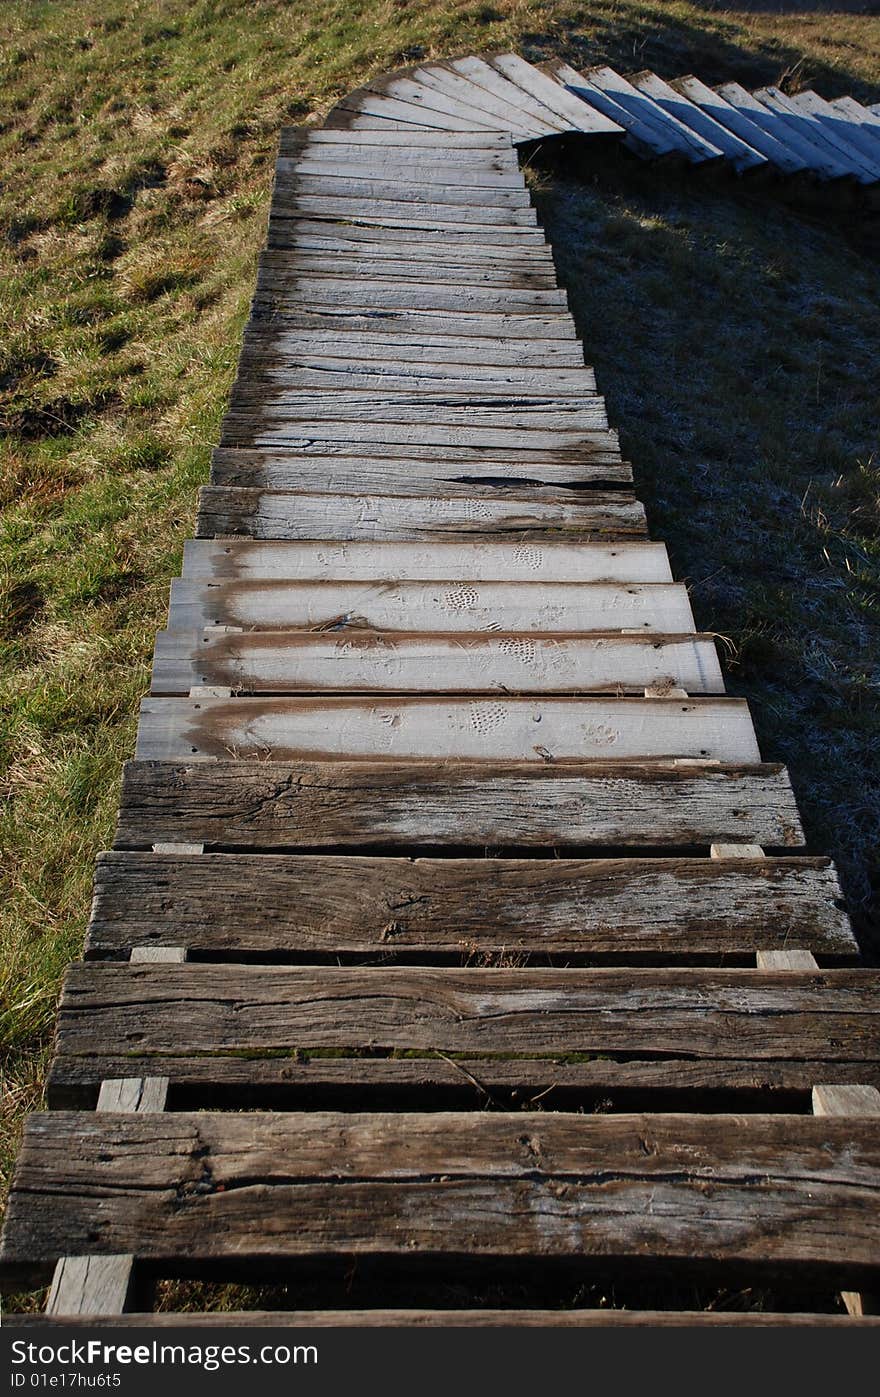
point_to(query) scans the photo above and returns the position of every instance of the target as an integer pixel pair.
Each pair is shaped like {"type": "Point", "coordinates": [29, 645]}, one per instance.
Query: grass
{"type": "Point", "coordinates": [732, 338]}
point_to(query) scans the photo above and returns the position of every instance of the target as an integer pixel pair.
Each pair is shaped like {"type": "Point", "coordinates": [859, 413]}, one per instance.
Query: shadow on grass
{"type": "Point", "coordinates": [673, 42]}
{"type": "Point", "coordinates": [735, 340]}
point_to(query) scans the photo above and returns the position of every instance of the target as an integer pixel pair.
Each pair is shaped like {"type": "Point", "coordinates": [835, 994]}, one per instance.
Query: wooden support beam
{"type": "Point", "coordinates": [853, 1101]}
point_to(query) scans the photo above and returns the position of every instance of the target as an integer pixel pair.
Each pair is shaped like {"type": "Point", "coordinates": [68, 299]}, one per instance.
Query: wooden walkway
{"type": "Point", "coordinates": [453, 921]}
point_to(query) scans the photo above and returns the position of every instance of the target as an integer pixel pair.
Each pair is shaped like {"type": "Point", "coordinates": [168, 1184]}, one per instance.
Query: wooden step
{"type": "Point", "coordinates": [545, 421]}
{"type": "Point", "coordinates": [251, 468]}
{"type": "Point", "coordinates": [728, 1192]}
{"type": "Point", "coordinates": [554, 95]}
{"type": "Point", "coordinates": [329, 905]}
{"type": "Point", "coordinates": [465, 144]}
{"type": "Point", "coordinates": [414, 347]}
{"type": "Point", "coordinates": [290, 662]}
{"type": "Point", "coordinates": [386, 263]}
{"type": "Point", "coordinates": [489, 730]}
{"type": "Point", "coordinates": [268, 514]}
{"type": "Point", "coordinates": [674, 101]}
{"type": "Point", "coordinates": [441, 606]}
{"type": "Point", "coordinates": [303, 371]}
{"type": "Point", "coordinates": [818, 160]}
{"type": "Point", "coordinates": [275, 805]}
{"type": "Point", "coordinates": [250, 560]}
{"type": "Point", "coordinates": [394, 171]}
{"type": "Point", "coordinates": [147, 1010]}
{"type": "Point", "coordinates": [779, 155]}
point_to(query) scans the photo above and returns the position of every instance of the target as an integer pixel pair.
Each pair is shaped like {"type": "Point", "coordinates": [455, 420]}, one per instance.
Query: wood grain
{"type": "Point", "coordinates": [432, 729]}
{"type": "Point", "coordinates": [343, 904]}
{"type": "Point", "coordinates": [272, 805]}
{"type": "Point", "coordinates": [730, 1191]}
{"type": "Point", "coordinates": [553, 561]}
{"type": "Point", "coordinates": [290, 662]}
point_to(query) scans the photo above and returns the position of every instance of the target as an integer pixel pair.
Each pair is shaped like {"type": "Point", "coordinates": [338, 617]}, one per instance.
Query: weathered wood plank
{"type": "Point", "coordinates": [390, 168]}
{"type": "Point", "coordinates": [332, 904]}
{"type": "Point", "coordinates": [483, 324]}
{"type": "Point", "coordinates": [287, 661]}
{"type": "Point", "coordinates": [574, 112]}
{"type": "Point", "coordinates": [371, 223]}
{"type": "Point", "coordinates": [493, 106]}
{"type": "Point", "coordinates": [539, 729]}
{"type": "Point", "coordinates": [373, 266]}
{"type": "Point", "coordinates": [303, 371]}
{"type": "Point", "coordinates": [244, 559]}
{"type": "Point", "coordinates": [730, 1191]}
{"type": "Point", "coordinates": [272, 805]}
{"type": "Point", "coordinates": [527, 412]}
{"type": "Point", "coordinates": [256, 469]}
{"type": "Point", "coordinates": [401, 186]}
{"type": "Point", "coordinates": [440, 607]}
{"type": "Point", "coordinates": [268, 1009]}
{"type": "Point", "coordinates": [415, 348]}
{"type": "Point", "coordinates": [271, 514]}
{"type": "Point", "coordinates": [291, 138]}
{"type": "Point", "coordinates": [442, 77]}
{"type": "Point", "coordinates": [546, 422]}
{"type": "Point", "coordinates": [362, 239]}
{"type": "Point", "coordinates": [416, 212]}
{"type": "Point", "coordinates": [353, 294]}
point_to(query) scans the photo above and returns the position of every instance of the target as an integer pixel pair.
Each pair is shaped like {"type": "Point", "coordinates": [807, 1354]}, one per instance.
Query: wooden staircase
{"type": "Point", "coordinates": [453, 925]}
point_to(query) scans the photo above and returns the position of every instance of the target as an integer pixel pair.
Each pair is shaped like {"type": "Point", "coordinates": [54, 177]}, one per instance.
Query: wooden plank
{"type": "Point", "coordinates": [492, 248]}
{"type": "Point", "coordinates": [816, 158]}
{"type": "Point", "coordinates": [388, 263]}
{"type": "Point", "coordinates": [426, 169]}
{"type": "Point", "coordinates": [255, 469]}
{"type": "Point", "coordinates": [356, 296]}
{"type": "Point", "coordinates": [673, 102]}
{"type": "Point", "coordinates": [441, 78]}
{"type": "Point", "coordinates": [387, 138]}
{"type": "Point", "coordinates": [645, 134]}
{"type": "Point", "coordinates": [314, 1081]}
{"type": "Point", "coordinates": [289, 661]}
{"type": "Point", "coordinates": [277, 805]}
{"type": "Point", "coordinates": [553, 94]}
{"type": "Point", "coordinates": [562, 443]}
{"type": "Point", "coordinates": [398, 188]}
{"type": "Point", "coordinates": [483, 239]}
{"type": "Point", "coordinates": [301, 370]}
{"type": "Point", "coordinates": [484, 325]}
{"type": "Point", "coordinates": [90, 1285]}
{"type": "Point", "coordinates": [415, 212]}
{"type": "Point", "coordinates": [440, 607]}
{"type": "Point", "coordinates": [489, 730]}
{"type": "Point", "coordinates": [845, 159]}
{"type": "Point", "coordinates": [332, 905]}
{"type": "Point", "coordinates": [244, 559]}
{"type": "Point", "coordinates": [734, 1192]}
{"type": "Point", "coordinates": [786, 960]}
{"type": "Point", "coordinates": [537, 115]}
{"type": "Point", "coordinates": [737, 122]}
{"type": "Point", "coordinates": [263, 1010]}
{"type": "Point", "coordinates": [544, 419]}
{"type": "Point", "coordinates": [272, 514]}
{"type": "Point", "coordinates": [845, 136]}
{"type": "Point", "coordinates": [431, 353]}
{"type": "Point", "coordinates": [393, 107]}
{"type": "Point", "coordinates": [462, 1319]}
{"type": "Point", "coordinates": [475, 111]}
{"type": "Point", "coordinates": [851, 1102]}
